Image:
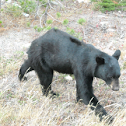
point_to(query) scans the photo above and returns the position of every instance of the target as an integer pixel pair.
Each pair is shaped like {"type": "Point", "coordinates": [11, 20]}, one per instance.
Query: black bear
{"type": "Point", "coordinates": [59, 51]}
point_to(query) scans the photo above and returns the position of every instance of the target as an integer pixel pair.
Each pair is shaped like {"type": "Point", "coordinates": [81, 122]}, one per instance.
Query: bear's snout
{"type": "Point", "coordinates": [115, 88]}
{"type": "Point", "coordinates": [115, 85]}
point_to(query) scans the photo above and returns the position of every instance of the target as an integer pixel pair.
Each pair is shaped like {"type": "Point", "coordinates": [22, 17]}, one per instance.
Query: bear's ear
{"type": "Point", "coordinates": [117, 54]}
{"type": "Point", "coordinates": [100, 60]}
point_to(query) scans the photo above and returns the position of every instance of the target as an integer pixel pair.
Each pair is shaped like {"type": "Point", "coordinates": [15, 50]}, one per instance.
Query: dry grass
{"type": "Point", "coordinates": [9, 65]}
{"type": "Point", "coordinates": [22, 104]}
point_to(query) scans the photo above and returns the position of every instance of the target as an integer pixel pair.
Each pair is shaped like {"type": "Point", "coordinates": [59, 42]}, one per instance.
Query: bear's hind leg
{"type": "Point", "coordinates": [45, 78]}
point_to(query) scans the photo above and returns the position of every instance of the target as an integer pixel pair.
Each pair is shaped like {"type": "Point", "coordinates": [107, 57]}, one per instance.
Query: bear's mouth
{"type": "Point", "coordinates": [114, 88]}
{"type": "Point", "coordinates": [114, 85]}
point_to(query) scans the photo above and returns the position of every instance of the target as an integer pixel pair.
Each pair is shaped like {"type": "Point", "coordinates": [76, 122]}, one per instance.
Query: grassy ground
{"type": "Point", "coordinates": [22, 103]}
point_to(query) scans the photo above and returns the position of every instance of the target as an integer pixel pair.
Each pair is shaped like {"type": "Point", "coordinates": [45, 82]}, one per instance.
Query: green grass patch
{"type": "Point", "coordinates": [65, 22]}
{"type": "Point", "coordinates": [81, 21]}
{"type": "Point", "coordinates": [49, 21]}
{"type": "Point", "coordinates": [58, 14]}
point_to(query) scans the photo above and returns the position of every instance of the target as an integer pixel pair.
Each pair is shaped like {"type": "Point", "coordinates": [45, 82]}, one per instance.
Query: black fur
{"type": "Point", "coordinates": [57, 50]}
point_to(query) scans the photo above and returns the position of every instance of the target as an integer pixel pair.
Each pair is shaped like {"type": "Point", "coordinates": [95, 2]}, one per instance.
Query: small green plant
{"type": "Point", "coordinates": [65, 22]}
{"type": "Point", "coordinates": [39, 29]}
{"type": "Point", "coordinates": [58, 14]}
{"type": "Point", "coordinates": [48, 27]}
{"type": "Point", "coordinates": [70, 31]}
{"type": "Point", "coordinates": [81, 21]}
{"type": "Point", "coordinates": [35, 27]}
{"type": "Point", "coordinates": [1, 25]}
{"type": "Point", "coordinates": [2, 9]}
{"type": "Point", "coordinates": [49, 21]}
{"type": "Point", "coordinates": [28, 24]}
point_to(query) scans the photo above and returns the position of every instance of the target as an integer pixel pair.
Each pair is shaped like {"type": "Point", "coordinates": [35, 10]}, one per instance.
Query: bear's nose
{"type": "Point", "coordinates": [115, 88]}
{"type": "Point", "coordinates": [115, 85]}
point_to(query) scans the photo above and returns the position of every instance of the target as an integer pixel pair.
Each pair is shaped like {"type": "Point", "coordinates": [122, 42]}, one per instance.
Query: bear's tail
{"type": "Point", "coordinates": [25, 68]}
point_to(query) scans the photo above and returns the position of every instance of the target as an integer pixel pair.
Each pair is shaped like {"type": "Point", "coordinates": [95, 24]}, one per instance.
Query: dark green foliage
{"type": "Point", "coordinates": [111, 5]}
{"type": "Point", "coordinates": [107, 5]}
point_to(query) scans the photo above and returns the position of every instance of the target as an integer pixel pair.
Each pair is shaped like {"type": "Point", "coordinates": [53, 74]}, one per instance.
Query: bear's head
{"type": "Point", "coordinates": [108, 69]}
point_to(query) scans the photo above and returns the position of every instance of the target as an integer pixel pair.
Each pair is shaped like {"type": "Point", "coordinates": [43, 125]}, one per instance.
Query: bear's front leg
{"type": "Point", "coordinates": [85, 94]}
